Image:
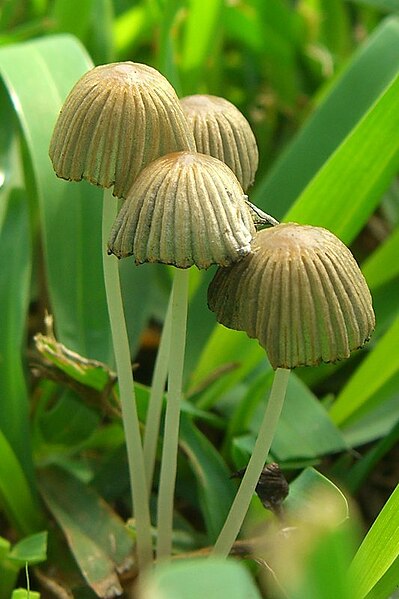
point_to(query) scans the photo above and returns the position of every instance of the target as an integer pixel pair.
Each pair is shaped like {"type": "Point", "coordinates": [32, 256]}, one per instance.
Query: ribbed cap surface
{"type": "Point", "coordinates": [117, 119]}
{"type": "Point", "coordinates": [183, 209]}
{"type": "Point", "coordinates": [300, 292]}
{"type": "Point", "coordinates": [220, 130]}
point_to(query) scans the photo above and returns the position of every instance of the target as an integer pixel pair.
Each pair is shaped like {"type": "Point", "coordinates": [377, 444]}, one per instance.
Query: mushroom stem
{"type": "Point", "coordinates": [126, 391]}
{"type": "Point", "coordinates": [255, 466]}
{"type": "Point", "coordinates": [153, 418]}
{"type": "Point", "coordinates": [172, 416]}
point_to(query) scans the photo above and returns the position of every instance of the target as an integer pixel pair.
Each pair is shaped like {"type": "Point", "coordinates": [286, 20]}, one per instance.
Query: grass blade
{"type": "Point", "coordinates": [202, 24]}
{"type": "Point", "coordinates": [16, 497]}
{"type": "Point", "coordinates": [357, 397]}
{"type": "Point", "coordinates": [349, 186]}
{"type": "Point", "coordinates": [379, 550]}
{"type": "Point", "coordinates": [383, 264]}
{"type": "Point", "coordinates": [15, 258]}
{"type": "Point", "coordinates": [370, 71]}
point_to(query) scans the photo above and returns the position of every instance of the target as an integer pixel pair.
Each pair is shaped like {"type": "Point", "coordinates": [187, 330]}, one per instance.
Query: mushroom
{"type": "Point", "coordinates": [185, 208]}
{"type": "Point", "coordinates": [301, 293]}
{"type": "Point", "coordinates": [222, 131]}
{"type": "Point", "coordinates": [118, 118]}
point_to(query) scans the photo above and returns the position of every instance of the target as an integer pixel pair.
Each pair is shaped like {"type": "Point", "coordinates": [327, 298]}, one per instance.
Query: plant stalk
{"type": "Point", "coordinates": [156, 399]}
{"type": "Point", "coordinates": [126, 391]}
{"type": "Point", "coordinates": [172, 416]}
{"type": "Point", "coordinates": [241, 502]}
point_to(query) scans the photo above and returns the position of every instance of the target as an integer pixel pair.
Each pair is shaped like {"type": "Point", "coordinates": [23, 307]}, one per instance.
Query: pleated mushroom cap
{"type": "Point", "coordinates": [220, 130]}
{"type": "Point", "coordinates": [300, 292]}
{"type": "Point", "coordinates": [183, 209]}
{"type": "Point", "coordinates": [117, 119]}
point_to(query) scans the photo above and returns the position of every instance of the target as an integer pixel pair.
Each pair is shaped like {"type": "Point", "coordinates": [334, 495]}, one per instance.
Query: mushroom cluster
{"type": "Point", "coordinates": [182, 169]}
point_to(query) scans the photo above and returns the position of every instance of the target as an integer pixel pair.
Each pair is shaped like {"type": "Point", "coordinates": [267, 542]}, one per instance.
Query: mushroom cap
{"type": "Point", "coordinates": [185, 208]}
{"type": "Point", "coordinates": [118, 118]}
{"type": "Point", "coordinates": [220, 130]}
{"type": "Point", "coordinates": [300, 292]}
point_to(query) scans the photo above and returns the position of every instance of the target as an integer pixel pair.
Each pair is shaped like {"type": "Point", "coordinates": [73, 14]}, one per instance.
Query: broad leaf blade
{"type": "Point", "coordinates": [309, 485]}
{"type": "Point", "coordinates": [30, 550]}
{"type": "Point", "coordinates": [215, 488]}
{"type": "Point", "coordinates": [96, 536]}
{"type": "Point", "coordinates": [304, 431]}
{"type": "Point", "coordinates": [196, 579]}
{"type": "Point", "coordinates": [38, 77]}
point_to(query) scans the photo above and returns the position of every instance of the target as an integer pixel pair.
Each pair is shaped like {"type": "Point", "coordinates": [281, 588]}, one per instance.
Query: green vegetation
{"type": "Point", "coordinates": [318, 80]}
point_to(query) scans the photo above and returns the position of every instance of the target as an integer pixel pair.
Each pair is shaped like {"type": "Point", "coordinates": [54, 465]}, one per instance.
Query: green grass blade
{"type": "Point", "coordinates": [15, 271]}
{"type": "Point", "coordinates": [383, 264]}
{"type": "Point", "coordinates": [379, 550]}
{"type": "Point", "coordinates": [65, 16]}
{"type": "Point", "coordinates": [387, 584]}
{"type": "Point", "coordinates": [372, 68]}
{"type": "Point", "coordinates": [130, 27]}
{"type": "Point", "coordinates": [93, 27]}
{"type": "Point", "coordinates": [100, 38]}
{"type": "Point", "coordinates": [357, 397]}
{"type": "Point", "coordinates": [226, 358]}
{"type": "Point", "coordinates": [349, 186]}
{"type": "Point", "coordinates": [203, 22]}
{"type": "Point", "coordinates": [269, 31]}
{"type": "Point", "coordinates": [383, 5]}
{"type": "Point", "coordinates": [38, 75]}
{"type": "Point", "coordinates": [16, 498]}
{"type": "Point", "coordinates": [357, 475]}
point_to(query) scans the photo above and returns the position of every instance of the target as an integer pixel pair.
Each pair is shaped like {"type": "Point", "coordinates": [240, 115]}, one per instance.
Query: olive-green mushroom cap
{"type": "Point", "coordinates": [118, 118]}
{"type": "Point", "coordinates": [299, 292]}
{"type": "Point", "coordinates": [183, 209]}
{"type": "Point", "coordinates": [222, 131]}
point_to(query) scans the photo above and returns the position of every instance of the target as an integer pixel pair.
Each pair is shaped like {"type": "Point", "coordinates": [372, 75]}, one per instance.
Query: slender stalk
{"type": "Point", "coordinates": [172, 416]}
{"type": "Point", "coordinates": [126, 391]}
{"type": "Point", "coordinates": [255, 466]}
{"type": "Point", "coordinates": [156, 397]}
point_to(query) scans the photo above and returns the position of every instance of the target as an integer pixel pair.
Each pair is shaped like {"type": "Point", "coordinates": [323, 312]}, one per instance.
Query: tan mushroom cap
{"type": "Point", "coordinates": [118, 118]}
{"type": "Point", "coordinates": [222, 131]}
{"type": "Point", "coordinates": [183, 209]}
{"type": "Point", "coordinates": [300, 293]}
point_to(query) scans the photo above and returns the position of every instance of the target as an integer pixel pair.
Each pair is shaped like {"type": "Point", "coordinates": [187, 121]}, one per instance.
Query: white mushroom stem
{"type": "Point", "coordinates": [154, 411]}
{"type": "Point", "coordinates": [241, 502]}
{"type": "Point", "coordinates": [126, 391]}
{"type": "Point", "coordinates": [172, 416]}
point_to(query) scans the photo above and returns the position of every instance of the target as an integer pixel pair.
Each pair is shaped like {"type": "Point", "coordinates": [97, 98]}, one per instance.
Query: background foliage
{"type": "Point", "coordinates": [319, 82]}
